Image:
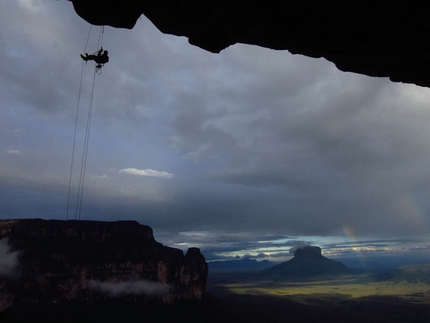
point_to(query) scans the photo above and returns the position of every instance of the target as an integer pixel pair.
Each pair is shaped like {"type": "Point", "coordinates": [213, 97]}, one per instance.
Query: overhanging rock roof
{"type": "Point", "coordinates": [380, 38]}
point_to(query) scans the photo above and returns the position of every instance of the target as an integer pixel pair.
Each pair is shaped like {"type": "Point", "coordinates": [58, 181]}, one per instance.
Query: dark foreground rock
{"type": "Point", "coordinates": [58, 263]}
{"type": "Point", "coordinates": [208, 310]}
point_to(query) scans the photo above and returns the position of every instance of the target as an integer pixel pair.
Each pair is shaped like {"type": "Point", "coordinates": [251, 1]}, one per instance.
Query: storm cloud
{"type": "Point", "coordinates": [225, 149]}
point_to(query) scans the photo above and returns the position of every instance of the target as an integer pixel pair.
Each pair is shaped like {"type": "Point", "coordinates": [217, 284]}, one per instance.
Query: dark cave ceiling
{"type": "Point", "coordinates": [381, 39]}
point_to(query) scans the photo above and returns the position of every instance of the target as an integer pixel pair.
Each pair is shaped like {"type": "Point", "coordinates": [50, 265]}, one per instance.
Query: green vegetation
{"type": "Point", "coordinates": [401, 295]}
{"type": "Point", "coordinates": [416, 292]}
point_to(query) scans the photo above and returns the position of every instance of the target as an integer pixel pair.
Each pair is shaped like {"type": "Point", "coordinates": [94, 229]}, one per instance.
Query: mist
{"type": "Point", "coordinates": [138, 287]}
{"type": "Point", "coordinates": [8, 259]}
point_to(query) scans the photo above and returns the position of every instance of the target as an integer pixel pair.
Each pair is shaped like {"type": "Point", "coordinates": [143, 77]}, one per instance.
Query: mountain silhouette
{"type": "Point", "coordinates": [308, 262]}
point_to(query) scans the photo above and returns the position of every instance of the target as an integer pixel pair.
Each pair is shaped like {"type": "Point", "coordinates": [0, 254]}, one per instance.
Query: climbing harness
{"type": "Point", "coordinates": [97, 70]}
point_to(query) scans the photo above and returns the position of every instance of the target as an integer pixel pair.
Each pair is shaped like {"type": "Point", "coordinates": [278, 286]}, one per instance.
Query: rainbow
{"type": "Point", "coordinates": [352, 237]}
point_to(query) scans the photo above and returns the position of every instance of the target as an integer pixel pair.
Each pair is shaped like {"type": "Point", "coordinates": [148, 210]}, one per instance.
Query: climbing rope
{"type": "Point", "coordinates": [78, 207]}
{"type": "Point", "coordinates": [76, 126]}
{"type": "Point", "coordinates": [102, 34]}
{"type": "Point", "coordinates": [85, 152]}
{"type": "Point", "coordinates": [87, 138]}
{"type": "Point", "coordinates": [100, 45]}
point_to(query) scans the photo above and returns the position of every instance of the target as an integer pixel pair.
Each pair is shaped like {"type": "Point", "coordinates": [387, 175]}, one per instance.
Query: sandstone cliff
{"type": "Point", "coordinates": [48, 262]}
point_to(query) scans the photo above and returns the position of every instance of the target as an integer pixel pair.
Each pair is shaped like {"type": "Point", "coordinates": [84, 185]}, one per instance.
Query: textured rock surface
{"type": "Point", "coordinates": [382, 38]}
{"type": "Point", "coordinates": [59, 262]}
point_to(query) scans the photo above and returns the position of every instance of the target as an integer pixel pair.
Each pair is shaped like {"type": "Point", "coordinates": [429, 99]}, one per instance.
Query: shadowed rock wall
{"type": "Point", "coordinates": [56, 262]}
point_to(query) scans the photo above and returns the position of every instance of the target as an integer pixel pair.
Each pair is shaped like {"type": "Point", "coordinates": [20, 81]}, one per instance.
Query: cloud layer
{"type": "Point", "coordinates": [253, 141]}
{"type": "Point", "coordinates": [146, 172]}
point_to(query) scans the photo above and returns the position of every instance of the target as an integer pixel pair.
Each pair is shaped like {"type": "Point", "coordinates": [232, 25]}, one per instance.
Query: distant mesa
{"type": "Point", "coordinates": [308, 252]}
{"type": "Point", "coordinates": [308, 263]}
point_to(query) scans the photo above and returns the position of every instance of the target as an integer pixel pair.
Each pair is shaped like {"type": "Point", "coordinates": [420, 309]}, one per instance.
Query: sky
{"type": "Point", "coordinates": [249, 153]}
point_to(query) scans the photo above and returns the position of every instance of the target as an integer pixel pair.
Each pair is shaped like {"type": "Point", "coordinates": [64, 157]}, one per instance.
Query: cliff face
{"type": "Point", "coordinates": [383, 38]}
{"type": "Point", "coordinates": [57, 262]}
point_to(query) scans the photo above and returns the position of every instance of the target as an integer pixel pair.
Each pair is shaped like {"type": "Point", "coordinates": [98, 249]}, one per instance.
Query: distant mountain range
{"type": "Point", "coordinates": [245, 264]}
{"type": "Point", "coordinates": [308, 263]}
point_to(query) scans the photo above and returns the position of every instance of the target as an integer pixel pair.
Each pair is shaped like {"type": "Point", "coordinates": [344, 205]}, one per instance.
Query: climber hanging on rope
{"type": "Point", "coordinates": [100, 57]}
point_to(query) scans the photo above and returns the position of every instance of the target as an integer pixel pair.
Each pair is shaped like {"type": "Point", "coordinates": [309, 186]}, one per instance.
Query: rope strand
{"type": "Point", "coordinates": [79, 198]}
{"type": "Point", "coordinates": [87, 139]}
{"type": "Point", "coordinates": [100, 41]}
{"type": "Point", "coordinates": [78, 209]}
{"type": "Point", "coordinates": [76, 126]}
{"type": "Point", "coordinates": [103, 32]}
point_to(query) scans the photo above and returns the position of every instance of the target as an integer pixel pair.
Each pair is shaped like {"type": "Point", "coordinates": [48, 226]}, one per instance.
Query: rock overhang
{"type": "Point", "coordinates": [380, 39]}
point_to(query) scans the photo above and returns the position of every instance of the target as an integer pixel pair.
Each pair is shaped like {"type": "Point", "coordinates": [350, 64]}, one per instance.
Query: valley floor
{"type": "Point", "coordinates": [413, 292]}
{"type": "Point", "coordinates": [352, 299]}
